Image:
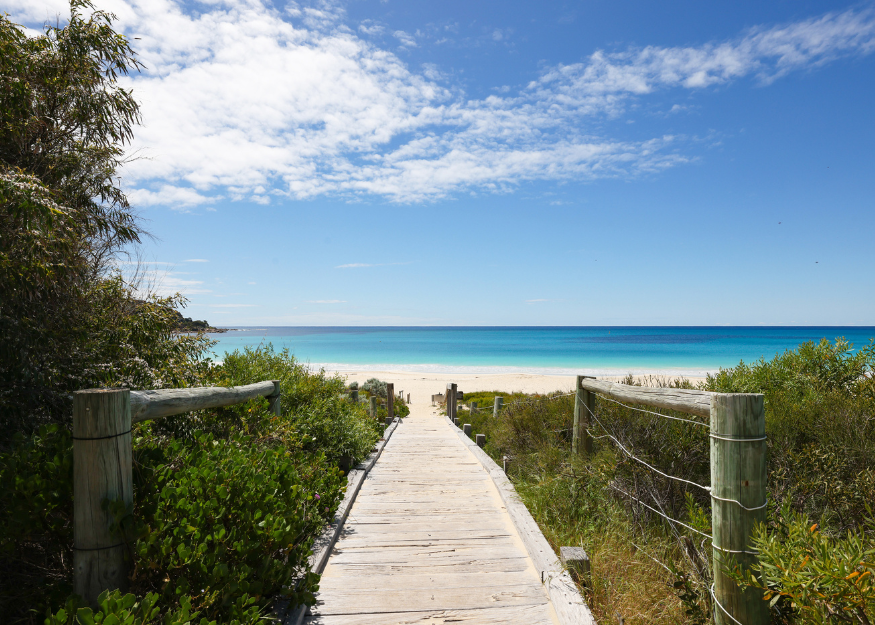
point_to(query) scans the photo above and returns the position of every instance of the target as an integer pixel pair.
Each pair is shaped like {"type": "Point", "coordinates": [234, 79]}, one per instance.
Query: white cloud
{"type": "Point", "coordinates": [244, 101]}
{"type": "Point", "coordinates": [169, 195]}
{"type": "Point", "coordinates": [326, 301]}
{"type": "Point", "coordinates": [406, 39]}
{"type": "Point", "coordinates": [372, 28]}
{"type": "Point", "coordinates": [196, 260]}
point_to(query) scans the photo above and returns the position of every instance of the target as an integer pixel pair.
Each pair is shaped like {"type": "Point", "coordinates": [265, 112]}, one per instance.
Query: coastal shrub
{"type": "Point", "coordinates": [820, 420]}
{"type": "Point", "coordinates": [375, 387]}
{"type": "Point", "coordinates": [229, 524]}
{"type": "Point", "coordinates": [114, 608]}
{"type": "Point", "coordinates": [814, 576]}
{"type": "Point", "coordinates": [36, 530]}
{"type": "Point", "coordinates": [314, 411]}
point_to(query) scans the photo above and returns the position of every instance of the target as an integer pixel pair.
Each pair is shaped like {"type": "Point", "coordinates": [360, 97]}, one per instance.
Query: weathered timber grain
{"type": "Point", "coordinates": [173, 401]}
{"type": "Point", "coordinates": [680, 399]}
{"type": "Point", "coordinates": [584, 401]}
{"type": "Point", "coordinates": [738, 474]}
{"type": "Point", "coordinates": [564, 596]}
{"type": "Point", "coordinates": [390, 402]}
{"type": "Point", "coordinates": [102, 470]}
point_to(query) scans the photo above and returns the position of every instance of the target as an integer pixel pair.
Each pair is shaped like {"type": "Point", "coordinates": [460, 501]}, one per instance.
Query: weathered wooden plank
{"type": "Point", "coordinates": [346, 601]}
{"type": "Point", "coordinates": [564, 595]}
{"type": "Point", "coordinates": [401, 571]}
{"type": "Point", "coordinates": [425, 581]}
{"type": "Point", "coordinates": [504, 615]}
{"type": "Point", "coordinates": [413, 555]}
{"type": "Point", "coordinates": [471, 526]}
{"type": "Point", "coordinates": [168, 402]}
{"type": "Point", "coordinates": [455, 541]}
{"type": "Point", "coordinates": [680, 399]}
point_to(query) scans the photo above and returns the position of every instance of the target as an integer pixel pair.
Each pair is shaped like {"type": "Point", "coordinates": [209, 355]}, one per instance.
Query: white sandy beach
{"type": "Point", "coordinates": [422, 386]}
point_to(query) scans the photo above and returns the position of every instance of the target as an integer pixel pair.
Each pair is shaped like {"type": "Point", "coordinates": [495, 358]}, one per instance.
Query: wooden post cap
{"type": "Point", "coordinates": [481, 440]}
{"type": "Point", "coordinates": [576, 560]}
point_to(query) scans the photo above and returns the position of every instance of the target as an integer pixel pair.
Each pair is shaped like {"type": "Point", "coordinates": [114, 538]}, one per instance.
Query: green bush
{"type": "Point", "coordinates": [36, 530]}
{"type": "Point", "coordinates": [229, 523]}
{"type": "Point", "coordinates": [812, 575]}
{"type": "Point", "coordinates": [375, 387]}
{"type": "Point", "coordinates": [114, 608]}
{"type": "Point", "coordinates": [315, 411]}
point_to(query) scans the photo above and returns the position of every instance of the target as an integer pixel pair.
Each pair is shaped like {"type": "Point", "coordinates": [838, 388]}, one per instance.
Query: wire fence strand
{"type": "Point", "coordinates": [658, 414]}
{"type": "Point", "coordinates": [637, 459]}
{"type": "Point", "coordinates": [662, 514]}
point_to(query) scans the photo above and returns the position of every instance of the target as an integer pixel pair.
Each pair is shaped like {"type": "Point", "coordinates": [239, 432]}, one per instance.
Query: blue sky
{"type": "Point", "coordinates": [503, 163]}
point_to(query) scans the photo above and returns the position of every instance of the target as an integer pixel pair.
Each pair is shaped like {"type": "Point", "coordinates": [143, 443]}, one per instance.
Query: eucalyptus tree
{"type": "Point", "coordinates": [65, 121]}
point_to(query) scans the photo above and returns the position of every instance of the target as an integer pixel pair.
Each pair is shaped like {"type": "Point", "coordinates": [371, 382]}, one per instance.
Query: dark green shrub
{"type": "Point", "coordinates": [36, 530]}
{"type": "Point", "coordinates": [229, 523]}
{"type": "Point", "coordinates": [114, 608]}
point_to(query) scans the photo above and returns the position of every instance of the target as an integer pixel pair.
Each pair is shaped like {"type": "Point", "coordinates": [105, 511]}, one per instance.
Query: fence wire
{"type": "Point", "coordinates": [637, 459]}
{"type": "Point", "coordinates": [658, 414]}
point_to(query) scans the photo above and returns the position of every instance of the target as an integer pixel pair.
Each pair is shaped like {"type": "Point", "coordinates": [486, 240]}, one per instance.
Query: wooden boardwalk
{"type": "Point", "coordinates": [428, 540]}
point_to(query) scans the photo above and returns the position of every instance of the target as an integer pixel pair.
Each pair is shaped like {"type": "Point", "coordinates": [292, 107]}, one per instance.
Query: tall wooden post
{"type": "Point", "coordinates": [499, 404]}
{"type": "Point", "coordinates": [454, 398]}
{"type": "Point", "coordinates": [408, 398]}
{"type": "Point", "coordinates": [373, 406]}
{"type": "Point", "coordinates": [101, 471]}
{"type": "Point", "coordinates": [581, 441]}
{"type": "Point", "coordinates": [738, 489]}
{"type": "Point", "coordinates": [273, 400]}
{"type": "Point", "coordinates": [390, 402]}
{"type": "Point", "coordinates": [474, 408]}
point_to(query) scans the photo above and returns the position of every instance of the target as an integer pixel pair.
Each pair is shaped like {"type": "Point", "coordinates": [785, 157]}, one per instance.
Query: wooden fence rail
{"type": "Point", "coordinates": [102, 467]}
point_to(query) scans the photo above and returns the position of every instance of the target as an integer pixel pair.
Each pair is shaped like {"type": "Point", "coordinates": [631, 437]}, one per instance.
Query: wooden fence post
{"type": "Point", "coordinates": [499, 404]}
{"type": "Point", "coordinates": [466, 428]}
{"type": "Point", "coordinates": [273, 401]}
{"type": "Point", "coordinates": [390, 402]}
{"type": "Point", "coordinates": [354, 396]}
{"type": "Point", "coordinates": [373, 406]}
{"type": "Point", "coordinates": [101, 471]}
{"type": "Point", "coordinates": [738, 498]}
{"type": "Point", "coordinates": [474, 408]}
{"type": "Point", "coordinates": [581, 442]}
{"type": "Point", "coordinates": [408, 398]}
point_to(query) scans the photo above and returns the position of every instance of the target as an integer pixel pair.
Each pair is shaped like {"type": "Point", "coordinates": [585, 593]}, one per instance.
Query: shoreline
{"type": "Point", "coordinates": [431, 369]}
{"type": "Point", "coordinates": [421, 386]}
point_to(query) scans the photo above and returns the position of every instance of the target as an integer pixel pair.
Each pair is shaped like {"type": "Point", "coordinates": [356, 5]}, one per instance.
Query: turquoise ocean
{"type": "Point", "coordinates": [690, 351]}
